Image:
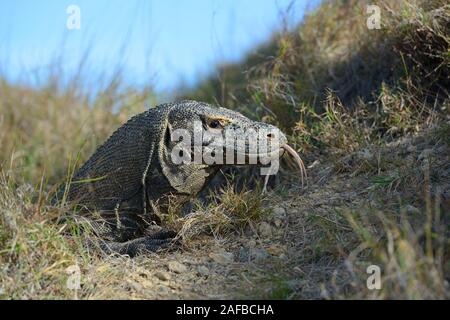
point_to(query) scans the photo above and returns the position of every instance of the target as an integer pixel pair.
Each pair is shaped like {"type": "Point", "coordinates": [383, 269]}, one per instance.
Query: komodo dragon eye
{"type": "Point", "coordinates": [215, 124]}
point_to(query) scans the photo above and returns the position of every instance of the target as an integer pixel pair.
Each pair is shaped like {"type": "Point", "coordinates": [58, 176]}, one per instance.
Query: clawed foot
{"type": "Point", "coordinates": [154, 239]}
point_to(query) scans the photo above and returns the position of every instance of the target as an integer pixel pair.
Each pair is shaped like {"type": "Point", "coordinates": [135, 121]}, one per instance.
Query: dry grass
{"type": "Point", "coordinates": [229, 212]}
{"type": "Point", "coordinates": [34, 253]}
{"type": "Point", "coordinates": [42, 129]}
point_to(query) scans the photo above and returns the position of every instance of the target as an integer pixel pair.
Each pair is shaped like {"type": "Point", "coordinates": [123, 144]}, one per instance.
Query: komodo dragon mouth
{"type": "Point", "coordinates": [274, 155]}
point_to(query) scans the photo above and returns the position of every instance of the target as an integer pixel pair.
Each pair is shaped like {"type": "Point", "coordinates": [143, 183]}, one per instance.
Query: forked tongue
{"type": "Point", "coordinates": [297, 160]}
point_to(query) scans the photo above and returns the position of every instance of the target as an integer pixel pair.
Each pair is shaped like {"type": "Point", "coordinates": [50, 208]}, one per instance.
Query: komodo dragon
{"type": "Point", "coordinates": [133, 171]}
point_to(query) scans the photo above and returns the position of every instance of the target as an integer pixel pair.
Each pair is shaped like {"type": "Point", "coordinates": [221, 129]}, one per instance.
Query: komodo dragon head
{"type": "Point", "coordinates": [200, 138]}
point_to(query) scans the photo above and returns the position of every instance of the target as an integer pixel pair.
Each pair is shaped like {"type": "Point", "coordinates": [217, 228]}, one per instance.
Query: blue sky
{"type": "Point", "coordinates": [164, 43]}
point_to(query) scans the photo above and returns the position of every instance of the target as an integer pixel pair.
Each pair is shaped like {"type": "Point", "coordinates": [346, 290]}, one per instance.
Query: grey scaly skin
{"type": "Point", "coordinates": [133, 171]}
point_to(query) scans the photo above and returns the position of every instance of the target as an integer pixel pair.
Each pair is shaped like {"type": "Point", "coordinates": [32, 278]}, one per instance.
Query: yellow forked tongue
{"type": "Point", "coordinates": [297, 159]}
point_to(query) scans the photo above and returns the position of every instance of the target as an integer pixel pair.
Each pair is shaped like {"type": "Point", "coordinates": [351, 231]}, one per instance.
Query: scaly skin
{"type": "Point", "coordinates": [132, 171]}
